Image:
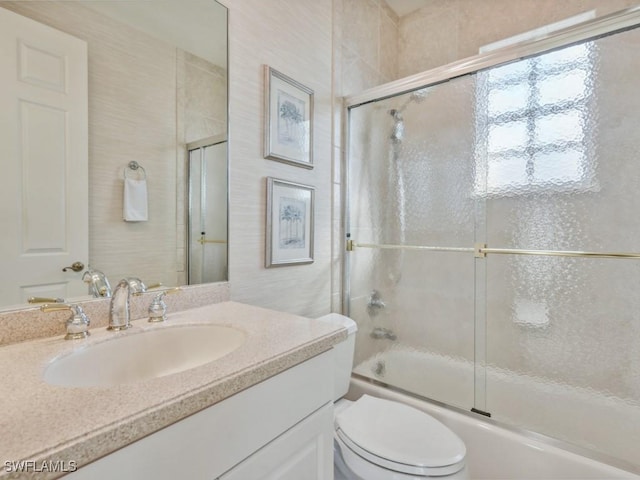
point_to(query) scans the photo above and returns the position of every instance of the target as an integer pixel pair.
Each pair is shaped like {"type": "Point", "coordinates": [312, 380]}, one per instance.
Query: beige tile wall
{"type": "Point", "coordinates": [447, 30]}
{"type": "Point", "coordinates": [365, 34]}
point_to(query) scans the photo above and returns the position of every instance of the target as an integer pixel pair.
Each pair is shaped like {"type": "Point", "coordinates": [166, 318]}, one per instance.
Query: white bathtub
{"type": "Point", "coordinates": [500, 453]}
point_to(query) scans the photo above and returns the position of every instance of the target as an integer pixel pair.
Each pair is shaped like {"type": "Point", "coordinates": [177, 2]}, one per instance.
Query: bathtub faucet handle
{"type": "Point", "coordinates": [375, 303]}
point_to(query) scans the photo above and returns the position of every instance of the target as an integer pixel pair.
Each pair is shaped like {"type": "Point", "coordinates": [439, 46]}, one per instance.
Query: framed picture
{"type": "Point", "coordinates": [288, 120]}
{"type": "Point", "coordinates": [289, 223]}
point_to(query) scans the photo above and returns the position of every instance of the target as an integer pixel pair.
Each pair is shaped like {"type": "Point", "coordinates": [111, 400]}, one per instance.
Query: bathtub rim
{"type": "Point", "coordinates": [362, 381]}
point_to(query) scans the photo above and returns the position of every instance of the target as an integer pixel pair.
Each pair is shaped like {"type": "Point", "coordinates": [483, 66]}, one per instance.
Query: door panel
{"type": "Point", "coordinates": [44, 152]}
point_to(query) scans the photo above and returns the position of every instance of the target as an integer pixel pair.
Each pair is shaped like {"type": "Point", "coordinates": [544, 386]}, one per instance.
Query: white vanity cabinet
{"type": "Point", "coordinates": [303, 452]}
{"type": "Point", "coordinates": [280, 428]}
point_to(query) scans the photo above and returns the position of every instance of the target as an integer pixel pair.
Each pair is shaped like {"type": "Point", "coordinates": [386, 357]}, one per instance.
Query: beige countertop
{"type": "Point", "coordinates": [45, 423]}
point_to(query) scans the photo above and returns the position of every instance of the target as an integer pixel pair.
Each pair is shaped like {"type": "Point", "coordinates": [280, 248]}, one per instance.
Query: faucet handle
{"type": "Point", "coordinates": [77, 324]}
{"type": "Point", "coordinates": [158, 308]}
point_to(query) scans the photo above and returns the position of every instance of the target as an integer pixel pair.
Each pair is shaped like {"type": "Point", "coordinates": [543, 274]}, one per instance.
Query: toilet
{"type": "Point", "coordinates": [378, 439]}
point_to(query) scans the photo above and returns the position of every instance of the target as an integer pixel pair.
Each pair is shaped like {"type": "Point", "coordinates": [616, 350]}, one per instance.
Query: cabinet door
{"type": "Point", "coordinates": [304, 452]}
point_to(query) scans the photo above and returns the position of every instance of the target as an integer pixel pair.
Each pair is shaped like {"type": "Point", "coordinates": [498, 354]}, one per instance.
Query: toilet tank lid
{"type": "Point", "coordinates": [341, 321]}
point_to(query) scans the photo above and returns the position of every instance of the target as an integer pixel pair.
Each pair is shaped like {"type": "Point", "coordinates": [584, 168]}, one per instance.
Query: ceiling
{"type": "Point", "coordinates": [403, 7]}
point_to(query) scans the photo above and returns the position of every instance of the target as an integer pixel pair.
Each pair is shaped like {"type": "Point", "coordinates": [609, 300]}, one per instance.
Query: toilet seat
{"type": "Point", "coordinates": [398, 437]}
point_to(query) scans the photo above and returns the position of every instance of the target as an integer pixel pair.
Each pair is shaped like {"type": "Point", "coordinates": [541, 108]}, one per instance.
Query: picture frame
{"type": "Point", "coordinates": [288, 124]}
{"type": "Point", "coordinates": [290, 223]}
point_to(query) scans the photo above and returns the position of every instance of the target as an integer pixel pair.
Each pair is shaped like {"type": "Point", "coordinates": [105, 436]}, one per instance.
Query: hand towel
{"type": "Point", "coordinates": [135, 200]}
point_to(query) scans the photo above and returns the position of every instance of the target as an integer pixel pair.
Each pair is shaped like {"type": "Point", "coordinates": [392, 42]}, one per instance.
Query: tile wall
{"type": "Point", "coordinates": [444, 31]}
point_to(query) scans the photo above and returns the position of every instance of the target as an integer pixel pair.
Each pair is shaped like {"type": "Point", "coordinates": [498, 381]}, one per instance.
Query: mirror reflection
{"type": "Point", "coordinates": [207, 222]}
{"type": "Point", "coordinates": [91, 88]}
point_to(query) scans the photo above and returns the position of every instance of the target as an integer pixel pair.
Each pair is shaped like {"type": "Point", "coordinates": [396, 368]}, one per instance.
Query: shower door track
{"type": "Point", "coordinates": [480, 250]}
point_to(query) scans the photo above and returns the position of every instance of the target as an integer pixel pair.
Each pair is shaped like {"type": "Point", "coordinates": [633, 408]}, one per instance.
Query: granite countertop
{"type": "Point", "coordinates": [45, 423]}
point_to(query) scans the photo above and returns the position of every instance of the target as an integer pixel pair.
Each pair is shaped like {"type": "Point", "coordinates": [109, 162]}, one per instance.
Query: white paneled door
{"type": "Point", "coordinates": [44, 160]}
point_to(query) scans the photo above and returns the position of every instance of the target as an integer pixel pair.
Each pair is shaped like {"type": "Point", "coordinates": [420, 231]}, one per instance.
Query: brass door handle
{"type": "Point", "coordinates": [75, 266]}
{"type": "Point", "coordinates": [45, 300]}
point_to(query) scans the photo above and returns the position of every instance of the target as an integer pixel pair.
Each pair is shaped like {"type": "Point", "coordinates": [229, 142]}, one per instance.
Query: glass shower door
{"type": "Point", "coordinates": [411, 182]}
{"type": "Point", "coordinates": [563, 331]}
{"type": "Point", "coordinates": [494, 241]}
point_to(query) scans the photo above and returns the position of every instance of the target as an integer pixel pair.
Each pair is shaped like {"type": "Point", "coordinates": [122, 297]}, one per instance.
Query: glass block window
{"type": "Point", "coordinates": [535, 124]}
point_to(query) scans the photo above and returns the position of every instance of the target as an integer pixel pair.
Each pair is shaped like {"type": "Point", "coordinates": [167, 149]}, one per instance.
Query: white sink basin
{"type": "Point", "coordinates": [132, 357]}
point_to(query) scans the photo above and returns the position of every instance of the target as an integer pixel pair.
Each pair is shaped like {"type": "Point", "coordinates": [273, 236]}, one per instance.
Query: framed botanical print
{"type": "Point", "coordinates": [288, 120]}
{"type": "Point", "coordinates": [289, 223]}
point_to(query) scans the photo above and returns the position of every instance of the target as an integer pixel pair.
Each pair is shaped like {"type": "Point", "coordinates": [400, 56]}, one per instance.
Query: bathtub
{"type": "Point", "coordinates": [495, 451]}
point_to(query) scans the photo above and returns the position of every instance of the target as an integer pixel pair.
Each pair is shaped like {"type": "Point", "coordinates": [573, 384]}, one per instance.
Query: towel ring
{"type": "Point", "coordinates": [135, 166]}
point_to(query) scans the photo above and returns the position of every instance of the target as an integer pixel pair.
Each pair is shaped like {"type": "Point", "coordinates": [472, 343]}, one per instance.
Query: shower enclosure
{"type": "Point", "coordinates": [493, 235]}
{"type": "Point", "coordinates": [208, 191]}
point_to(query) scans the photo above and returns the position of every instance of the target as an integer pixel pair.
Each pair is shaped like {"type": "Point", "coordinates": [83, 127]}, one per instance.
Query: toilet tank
{"type": "Point", "coordinates": [343, 353]}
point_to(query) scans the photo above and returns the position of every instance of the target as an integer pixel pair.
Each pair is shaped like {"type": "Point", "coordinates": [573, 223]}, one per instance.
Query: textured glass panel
{"type": "Point", "coordinates": [562, 349]}
{"type": "Point", "coordinates": [421, 340]}
{"type": "Point", "coordinates": [509, 73]}
{"type": "Point", "coordinates": [559, 167]}
{"type": "Point", "coordinates": [558, 59]}
{"type": "Point", "coordinates": [508, 136]}
{"type": "Point", "coordinates": [411, 181]}
{"type": "Point", "coordinates": [507, 172]}
{"type": "Point", "coordinates": [508, 98]}
{"type": "Point", "coordinates": [411, 171]}
{"type": "Point", "coordinates": [559, 128]}
{"type": "Point", "coordinates": [563, 87]}
{"type": "Point", "coordinates": [556, 170]}
{"type": "Point", "coordinates": [562, 333]}
{"type": "Point", "coordinates": [557, 91]}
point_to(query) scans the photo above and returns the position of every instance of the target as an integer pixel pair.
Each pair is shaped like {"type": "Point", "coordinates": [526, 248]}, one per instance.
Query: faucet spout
{"type": "Point", "coordinates": [98, 283]}
{"type": "Point", "coordinates": [119, 312]}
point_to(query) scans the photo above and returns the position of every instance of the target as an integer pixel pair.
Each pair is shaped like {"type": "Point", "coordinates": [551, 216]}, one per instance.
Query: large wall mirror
{"type": "Point", "coordinates": [114, 145]}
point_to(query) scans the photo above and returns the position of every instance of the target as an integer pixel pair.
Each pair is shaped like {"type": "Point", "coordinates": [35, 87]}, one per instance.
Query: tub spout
{"type": "Point", "coordinates": [383, 333]}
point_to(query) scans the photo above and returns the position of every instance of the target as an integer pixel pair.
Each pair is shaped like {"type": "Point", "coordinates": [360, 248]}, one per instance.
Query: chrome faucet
{"type": "Point", "coordinates": [375, 303]}
{"type": "Point", "coordinates": [158, 308]}
{"type": "Point", "coordinates": [77, 324]}
{"type": "Point", "coordinates": [98, 283]}
{"type": "Point", "coordinates": [119, 311]}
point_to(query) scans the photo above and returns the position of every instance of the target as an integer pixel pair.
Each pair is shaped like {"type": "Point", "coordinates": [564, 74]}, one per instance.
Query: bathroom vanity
{"type": "Point", "coordinates": [263, 410]}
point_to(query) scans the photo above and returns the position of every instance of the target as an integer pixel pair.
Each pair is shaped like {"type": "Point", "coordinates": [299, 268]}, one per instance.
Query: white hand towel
{"type": "Point", "coordinates": [135, 200]}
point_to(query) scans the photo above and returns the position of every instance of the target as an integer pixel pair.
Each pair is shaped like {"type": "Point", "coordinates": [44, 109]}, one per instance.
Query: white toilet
{"type": "Point", "coordinates": [377, 439]}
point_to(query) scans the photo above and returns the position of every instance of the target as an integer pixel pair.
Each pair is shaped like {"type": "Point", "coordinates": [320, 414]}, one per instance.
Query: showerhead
{"type": "Point", "coordinates": [417, 96]}
{"type": "Point", "coordinates": [398, 126]}
{"type": "Point", "coordinates": [396, 114]}
{"type": "Point", "coordinates": [397, 133]}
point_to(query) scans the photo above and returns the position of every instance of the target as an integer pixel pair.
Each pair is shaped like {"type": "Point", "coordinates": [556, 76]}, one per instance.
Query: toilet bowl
{"type": "Point", "coordinates": [377, 439]}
